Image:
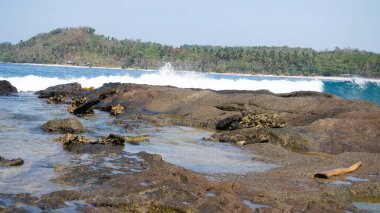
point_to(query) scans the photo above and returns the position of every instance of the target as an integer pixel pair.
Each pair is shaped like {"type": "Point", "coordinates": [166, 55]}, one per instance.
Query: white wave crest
{"type": "Point", "coordinates": [177, 79]}
{"type": "Point", "coordinates": [362, 82]}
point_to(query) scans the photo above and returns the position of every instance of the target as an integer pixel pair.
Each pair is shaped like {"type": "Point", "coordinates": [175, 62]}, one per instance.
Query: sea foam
{"type": "Point", "coordinates": [167, 76]}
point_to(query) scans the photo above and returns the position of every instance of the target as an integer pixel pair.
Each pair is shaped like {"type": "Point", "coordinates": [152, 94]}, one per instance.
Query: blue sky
{"type": "Point", "coordinates": [319, 24]}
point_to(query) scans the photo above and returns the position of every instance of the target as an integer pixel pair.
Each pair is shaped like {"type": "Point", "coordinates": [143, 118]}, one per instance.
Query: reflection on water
{"type": "Point", "coordinates": [183, 146]}
{"type": "Point", "coordinates": [20, 136]}
{"type": "Point", "coordinates": [371, 207]}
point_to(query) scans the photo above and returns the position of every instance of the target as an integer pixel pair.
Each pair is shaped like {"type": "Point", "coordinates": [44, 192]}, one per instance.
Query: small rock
{"type": "Point", "coordinates": [115, 110]}
{"type": "Point", "coordinates": [56, 99]}
{"type": "Point", "coordinates": [114, 140]}
{"type": "Point", "coordinates": [69, 125]}
{"type": "Point", "coordinates": [69, 139]}
{"type": "Point", "coordinates": [136, 140]}
{"type": "Point", "coordinates": [12, 162]}
{"type": "Point", "coordinates": [7, 88]}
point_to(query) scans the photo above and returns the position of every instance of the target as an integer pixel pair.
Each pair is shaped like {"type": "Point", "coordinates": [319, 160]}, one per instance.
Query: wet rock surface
{"type": "Point", "coordinates": [6, 88]}
{"type": "Point", "coordinates": [69, 125]}
{"type": "Point", "coordinates": [64, 90]}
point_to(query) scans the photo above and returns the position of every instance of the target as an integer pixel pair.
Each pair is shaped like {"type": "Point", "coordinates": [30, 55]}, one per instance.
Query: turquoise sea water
{"type": "Point", "coordinates": [32, 78]}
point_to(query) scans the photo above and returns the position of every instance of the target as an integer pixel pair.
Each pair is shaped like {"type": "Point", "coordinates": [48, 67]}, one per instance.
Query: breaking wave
{"type": "Point", "coordinates": [177, 79]}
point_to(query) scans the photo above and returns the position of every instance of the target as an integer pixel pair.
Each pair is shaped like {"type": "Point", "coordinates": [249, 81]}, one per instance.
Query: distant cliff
{"type": "Point", "coordinates": [81, 46]}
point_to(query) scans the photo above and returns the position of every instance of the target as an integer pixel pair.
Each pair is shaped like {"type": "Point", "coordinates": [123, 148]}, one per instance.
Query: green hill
{"type": "Point", "coordinates": [82, 46]}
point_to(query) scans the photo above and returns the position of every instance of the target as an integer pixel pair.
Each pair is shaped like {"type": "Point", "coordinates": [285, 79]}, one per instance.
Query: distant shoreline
{"type": "Point", "coordinates": [336, 78]}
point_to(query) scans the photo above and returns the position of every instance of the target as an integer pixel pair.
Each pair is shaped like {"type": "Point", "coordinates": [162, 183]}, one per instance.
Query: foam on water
{"type": "Point", "coordinates": [168, 76]}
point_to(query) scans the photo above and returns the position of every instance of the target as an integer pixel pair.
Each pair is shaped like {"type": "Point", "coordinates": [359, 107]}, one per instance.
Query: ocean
{"type": "Point", "coordinates": [33, 78]}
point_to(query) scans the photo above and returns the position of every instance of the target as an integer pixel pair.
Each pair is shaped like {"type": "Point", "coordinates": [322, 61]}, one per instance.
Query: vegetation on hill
{"type": "Point", "coordinates": [82, 46]}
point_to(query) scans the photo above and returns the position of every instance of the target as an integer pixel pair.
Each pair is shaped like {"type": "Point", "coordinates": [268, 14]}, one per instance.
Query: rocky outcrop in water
{"type": "Point", "coordinates": [7, 88]}
{"type": "Point", "coordinates": [330, 124]}
{"type": "Point", "coordinates": [64, 90]}
{"type": "Point", "coordinates": [12, 162]}
{"type": "Point", "coordinates": [301, 132]}
{"type": "Point", "coordinates": [315, 118]}
{"type": "Point", "coordinates": [70, 139]}
{"type": "Point", "coordinates": [69, 125]}
{"type": "Point", "coordinates": [112, 140]}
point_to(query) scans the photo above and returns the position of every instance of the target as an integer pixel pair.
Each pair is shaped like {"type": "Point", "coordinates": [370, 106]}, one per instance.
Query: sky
{"type": "Point", "coordinates": [319, 24]}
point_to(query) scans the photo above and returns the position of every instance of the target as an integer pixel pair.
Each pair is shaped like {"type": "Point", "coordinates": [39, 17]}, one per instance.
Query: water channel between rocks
{"type": "Point", "coordinates": [20, 136]}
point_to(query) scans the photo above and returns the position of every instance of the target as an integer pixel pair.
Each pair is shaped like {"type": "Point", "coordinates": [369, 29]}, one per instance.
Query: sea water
{"type": "Point", "coordinates": [33, 78]}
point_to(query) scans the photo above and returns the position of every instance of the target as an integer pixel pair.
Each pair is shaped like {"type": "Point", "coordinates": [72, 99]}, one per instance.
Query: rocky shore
{"type": "Point", "coordinates": [302, 132]}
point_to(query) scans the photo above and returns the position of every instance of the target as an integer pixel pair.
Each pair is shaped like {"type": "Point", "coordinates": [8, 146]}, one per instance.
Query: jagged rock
{"type": "Point", "coordinates": [69, 125]}
{"type": "Point", "coordinates": [115, 110]}
{"type": "Point", "coordinates": [7, 88]}
{"type": "Point", "coordinates": [69, 139]}
{"type": "Point", "coordinates": [58, 99]}
{"type": "Point", "coordinates": [114, 140]}
{"type": "Point", "coordinates": [71, 89]}
{"type": "Point", "coordinates": [12, 162]}
{"type": "Point", "coordinates": [86, 108]}
{"type": "Point", "coordinates": [229, 123]}
{"type": "Point", "coordinates": [76, 103]}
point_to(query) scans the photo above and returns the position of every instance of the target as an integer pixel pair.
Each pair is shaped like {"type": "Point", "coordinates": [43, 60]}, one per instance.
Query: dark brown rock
{"type": "Point", "coordinates": [12, 162]}
{"type": "Point", "coordinates": [71, 89]}
{"type": "Point", "coordinates": [86, 108]}
{"type": "Point", "coordinates": [69, 125]}
{"type": "Point", "coordinates": [75, 103]}
{"type": "Point", "coordinates": [309, 111]}
{"type": "Point", "coordinates": [6, 88]}
{"type": "Point", "coordinates": [114, 140]}
{"type": "Point", "coordinates": [229, 123]}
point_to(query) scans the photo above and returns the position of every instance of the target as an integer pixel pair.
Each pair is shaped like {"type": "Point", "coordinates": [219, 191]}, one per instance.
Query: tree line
{"type": "Point", "coordinates": [81, 46]}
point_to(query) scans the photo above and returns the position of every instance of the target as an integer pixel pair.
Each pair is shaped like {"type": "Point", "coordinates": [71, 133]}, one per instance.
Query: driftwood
{"type": "Point", "coordinates": [340, 171]}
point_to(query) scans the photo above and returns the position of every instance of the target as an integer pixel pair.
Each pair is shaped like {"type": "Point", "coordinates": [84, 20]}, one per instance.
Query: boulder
{"type": "Point", "coordinates": [69, 125]}
{"type": "Point", "coordinates": [71, 89]}
{"type": "Point", "coordinates": [6, 88]}
{"type": "Point", "coordinates": [12, 162]}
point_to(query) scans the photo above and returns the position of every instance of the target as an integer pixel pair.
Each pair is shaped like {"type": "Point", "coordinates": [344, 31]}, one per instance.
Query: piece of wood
{"type": "Point", "coordinates": [340, 171]}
